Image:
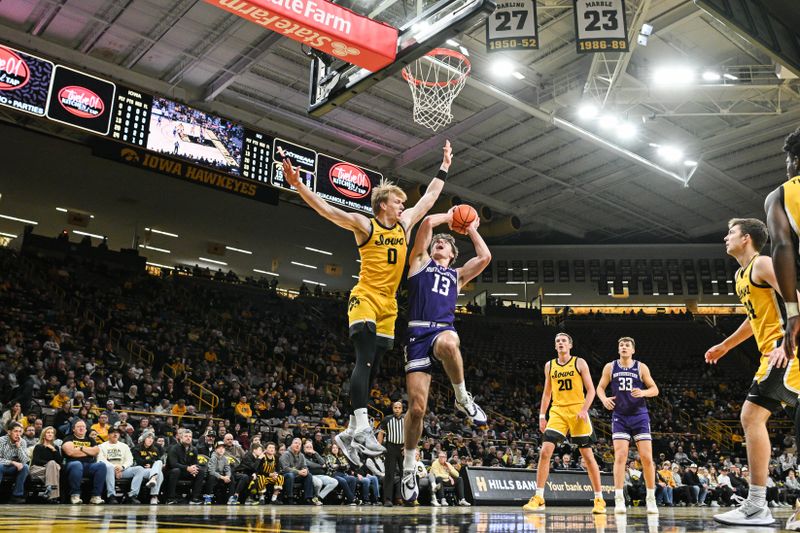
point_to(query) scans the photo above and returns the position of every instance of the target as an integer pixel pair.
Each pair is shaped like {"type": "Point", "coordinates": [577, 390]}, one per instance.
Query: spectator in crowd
{"type": "Point", "coordinates": [792, 487]}
{"type": "Point", "coordinates": [339, 466]}
{"type": "Point", "coordinates": [425, 480]}
{"type": "Point", "coordinates": [445, 474]}
{"type": "Point", "coordinates": [14, 460]}
{"type": "Point", "coordinates": [101, 427]}
{"type": "Point", "coordinates": [292, 466]}
{"type": "Point", "coordinates": [120, 465]}
{"type": "Point", "coordinates": [323, 484]}
{"type": "Point", "coordinates": [725, 489]}
{"type": "Point", "coordinates": [80, 453]}
{"type": "Point", "coordinates": [247, 471]}
{"type": "Point", "coordinates": [370, 485]}
{"type": "Point", "coordinates": [243, 412]}
{"type": "Point", "coordinates": [182, 464]}
{"type": "Point", "coordinates": [46, 464]}
{"type": "Point", "coordinates": [268, 475]}
{"type": "Point", "coordinates": [29, 436]}
{"type": "Point", "coordinates": [12, 414]}
{"type": "Point", "coordinates": [61, 398]}
{"type": "Point", "coordinates": [691, 479]}
{"type": "Point", "coordinates": [219, 470]}
{"type": "Point", "coordinates": [147, 456]}
{"type": "Point", "coordinates": [233, 449]}
{"type": "Point", "coordinates": [665, 481]}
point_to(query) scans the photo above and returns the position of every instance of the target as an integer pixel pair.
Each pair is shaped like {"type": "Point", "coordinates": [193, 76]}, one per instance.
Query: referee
{"type": "Point", "coordinates": [391, 428]}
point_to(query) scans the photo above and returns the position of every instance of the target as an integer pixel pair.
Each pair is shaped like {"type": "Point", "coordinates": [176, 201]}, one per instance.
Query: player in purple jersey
{"type": "Point", "coordinates": [433, 288]}
{"type": "Point", "coordinates": [630, 384]}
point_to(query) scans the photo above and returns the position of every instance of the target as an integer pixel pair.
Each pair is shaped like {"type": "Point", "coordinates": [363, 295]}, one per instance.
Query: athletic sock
{"type": "Point", "coordinates": [617, 494]}
{"type": "Point", "coordinates": [410, 459]}
{"type": "Point", "coordinates": [362, 420]}
{"type": "Point", "coordinates": [651, 494]}
{"type": "Point", "coordinates": [598, 495]}
{"type": "Point", "coordinates": [352, 425]}
{"type": "Point", "coordinates": [461, 391]}
{"type": "Point", "coordinates": [758, 495]}
{"type": "Point", "coordinates": [540, 493]}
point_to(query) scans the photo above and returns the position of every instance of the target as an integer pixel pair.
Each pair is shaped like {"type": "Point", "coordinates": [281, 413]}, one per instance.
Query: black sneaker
{"type": "Point", "coordinates": [388, 504]}
{"type": "Point", "coordinates": [112, 500]}
{"type": "Point", "coordinates": [17, 500]}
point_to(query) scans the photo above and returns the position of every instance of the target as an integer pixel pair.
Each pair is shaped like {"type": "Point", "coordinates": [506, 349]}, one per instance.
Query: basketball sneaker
{"type": "Point", "coordinates": [746, 514]}
{"type": "Point", "coordinates": [652, 508]}
{"type": "Point", "coordinates": [619, 504]}
{"type": "Point", "coordinates": [793, 523]}
{"type": "Point", "coordinates": [600, 506]}
{"type": "Point", "coordinates": [345, 442]}
{"type": "Point", "coordinates": [472, 410]}
{"type": "Point", "coordinates": [364, 441]}
{"type": "Point", "coordinates": [408, 486]}
{"type": "Point", "coordinates": [534, 505]}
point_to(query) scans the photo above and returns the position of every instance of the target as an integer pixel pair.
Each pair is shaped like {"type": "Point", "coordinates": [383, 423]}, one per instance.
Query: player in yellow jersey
{"type": "Point", "coordinates": [567, 380]}
{"type": "Point", "coordinates": [372, 309]}
{"type": "Point", "coordinates": [777, 380]}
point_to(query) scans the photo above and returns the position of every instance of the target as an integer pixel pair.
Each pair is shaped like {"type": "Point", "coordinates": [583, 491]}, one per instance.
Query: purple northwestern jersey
{"type": "Point", "coordinates": [432, 294]}
{"type": "Point", "coordinates": [623, 381]}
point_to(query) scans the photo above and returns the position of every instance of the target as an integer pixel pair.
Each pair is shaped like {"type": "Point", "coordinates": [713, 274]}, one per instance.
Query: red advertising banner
{"type": "Point", "coordinates": [322, 25]}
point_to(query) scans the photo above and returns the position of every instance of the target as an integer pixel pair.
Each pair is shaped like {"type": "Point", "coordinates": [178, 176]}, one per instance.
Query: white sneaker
{"type": "Point", "coordinates": [619, 504]}
{"type": "Point", "coordinates": [75, 499]}
{"type": "Point", "coordinates": [772, 504]}
{"type": "Point", "coordinates": [464, 503]}
{"type": "Point", "coordinates": [408, 486]}
{"type": "Point", "coordinates": [652, 507]}
{"type": "Point", "coordinates": [793, 523]}
{"type": "Point", "coordinates": [473, 411]}
{"type": "Point", "coordinates": [444, 503]}
{"type": "Point", "coordinates": [345, 442]}
{"type": "Point", "coordinates": [435, 502]}
{"type": "Point", "coordinates": [96, 500]}
{"type": "Point", "coordinates": [714, 504]}
{"type": "Point", "coordinates": [365, 442]}
{"type": "Point", "coordinates": [747, 514]}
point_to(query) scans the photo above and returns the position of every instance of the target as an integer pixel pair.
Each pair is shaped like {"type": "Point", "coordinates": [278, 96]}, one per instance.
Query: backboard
{"type": "Point", "coordinates": [422, 26]}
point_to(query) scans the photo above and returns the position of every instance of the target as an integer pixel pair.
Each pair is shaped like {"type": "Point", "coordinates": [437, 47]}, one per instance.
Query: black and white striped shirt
{"type": "Point", "coordinates": [393, 426]}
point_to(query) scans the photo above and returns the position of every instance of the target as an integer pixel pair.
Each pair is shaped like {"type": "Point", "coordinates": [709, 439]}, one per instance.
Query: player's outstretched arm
{"type": "Point", "coordinates": [546, 393]}
{"type": "Point", "coordinates": [412, 215]}
{"type": "Point", "coordinates": [477, 264]}
{"type": "Point", "coordinates": [651, 389]}
{"type": "Point", "coordinates": [588, 386]}
{"type": "Point", "coordinates": [355, 222]}
{"type": "Point", "coordinates": [742, 333]}
{"type": "Point", "coordinates": [422, 241]}
{"type": "Point", "coordinates": [783, 257]}
{"type": "Point", "coordinates": [605, 379]}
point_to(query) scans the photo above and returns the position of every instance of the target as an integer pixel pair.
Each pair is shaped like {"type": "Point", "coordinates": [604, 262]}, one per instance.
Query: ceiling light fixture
{"type": "Point", "coordinates": [168, 234]}
{"type": "Point", "coordinates": [711, 76]}
{"type": "Point", "coordinates": [232, 249]}
{"type": "Point", "coordinates": [670, 153]}
{"type": "Point", "coordinates": [504, 294]}
{"type": "Point", "coordinates": [518, 75]}
{"type": "Point", "coordinates": [588, 111]}
{"type": "Point", "coordinates": [153, 248]}
{"type": "Point", "coordinates": [502, 67]}
{"type": "Point", "coordinates": [267, 272]}
{"type": "Point", "coordinates": [626, 131]}
{"type": "Point", "coordinates": [92, 235]}
{"type": "Point", "coordinates": [23, 220]}
{"type": "Point", "coordinates": [207, 260]}
{"type": "Point", "coordinates": [607, 121]}
{"type": "Point", "coordinates": [310, 249]}
{"type": "Point", "coordinates": [159, 265]}
{"type": "Point", "coordinates": [674, 76]}
{"type": "Point", "coordinates": [9, 235]}
{"type": "Point", "coordinates": [303, 265]}
{"type": "Point", "coordinates": [314, 283]}
{"type": "Point", "coordinates": [62, 209]}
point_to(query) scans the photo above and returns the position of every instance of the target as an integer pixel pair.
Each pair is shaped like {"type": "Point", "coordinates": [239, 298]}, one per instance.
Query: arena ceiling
{"type": "Point", "coordinates": [563, 187]}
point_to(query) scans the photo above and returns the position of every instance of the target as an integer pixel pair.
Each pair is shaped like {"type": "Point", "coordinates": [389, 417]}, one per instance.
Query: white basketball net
{"type": "Point", "coordinates": [435, 80]}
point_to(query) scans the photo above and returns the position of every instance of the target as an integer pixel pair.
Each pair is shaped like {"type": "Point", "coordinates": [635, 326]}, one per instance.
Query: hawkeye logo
{"type": "Point", "coordinates": [129, 155]}
{"type": "Point", "coordinates": [353, 303]}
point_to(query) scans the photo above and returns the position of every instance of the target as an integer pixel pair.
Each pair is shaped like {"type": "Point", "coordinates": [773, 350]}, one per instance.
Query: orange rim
{"type": "Point", "coordinates": [440, 52]}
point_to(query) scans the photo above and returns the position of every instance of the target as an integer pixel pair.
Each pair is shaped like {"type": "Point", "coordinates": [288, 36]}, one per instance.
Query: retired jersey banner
{"type": "Point", "coordinates": [600, 26]}
{"type": "Point", "coordinates": [512, 26]}
{"type": "Point", "coordinates": [514, 486]}
{"type": "Point", "coordinates": [322, 25]}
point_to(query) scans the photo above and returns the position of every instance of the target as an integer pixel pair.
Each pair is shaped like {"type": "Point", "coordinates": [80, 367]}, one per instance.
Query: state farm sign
{"type": "Point", "coordinates": [322, 25]}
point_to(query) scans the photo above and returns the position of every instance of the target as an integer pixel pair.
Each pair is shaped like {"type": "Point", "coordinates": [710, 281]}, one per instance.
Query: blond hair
{"type": "Point", "coordinates": [381, 194]}
{"type": "Point", "coordinates": [449, 240]}
{"type": "Point", "coordinates": [627, 339]}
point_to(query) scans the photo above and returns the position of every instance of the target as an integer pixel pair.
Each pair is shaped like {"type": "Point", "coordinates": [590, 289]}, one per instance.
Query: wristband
{"type": "Point", "coordinates": [442, 175]}
{"type": "Point", "coordinates": [792, 309]}
{"type": "Point", "coordinates": [542, 417]}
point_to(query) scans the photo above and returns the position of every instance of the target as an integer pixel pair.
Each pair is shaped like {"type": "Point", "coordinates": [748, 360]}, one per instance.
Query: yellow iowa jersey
{"type": "Point", "coordinates": [383, 257]}
{"type": "Point", "coordinates": [791, 202]}
{"type": "Point", "coordinates": [764, 309]}
{"type": "Point", "coordinates": [566, 383]}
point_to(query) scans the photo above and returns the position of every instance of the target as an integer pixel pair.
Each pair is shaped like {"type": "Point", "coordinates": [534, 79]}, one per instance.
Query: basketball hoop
{"type": "Point", "coordinates": [435, 80]}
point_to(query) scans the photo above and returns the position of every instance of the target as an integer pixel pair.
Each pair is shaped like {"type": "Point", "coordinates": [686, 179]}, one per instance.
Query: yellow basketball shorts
{"type": "Point", "coordinates": [564, 420]}
{"type": "Point", "coordinates": [369, 306]}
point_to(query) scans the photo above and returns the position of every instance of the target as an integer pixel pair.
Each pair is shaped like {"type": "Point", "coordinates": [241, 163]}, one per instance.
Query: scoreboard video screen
{"type": "Point", "coordinates": [155, 124]}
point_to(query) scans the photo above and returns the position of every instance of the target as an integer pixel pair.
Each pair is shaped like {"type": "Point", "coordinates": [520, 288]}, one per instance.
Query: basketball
{"type": "Point", "coordinates": [463, 216]}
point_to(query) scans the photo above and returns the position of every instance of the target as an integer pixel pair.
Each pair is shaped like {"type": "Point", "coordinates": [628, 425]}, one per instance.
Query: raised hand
{"type": "Point", "coordinates": [447, 156]}
{"type": "Point", "coordinates": [292, 174]}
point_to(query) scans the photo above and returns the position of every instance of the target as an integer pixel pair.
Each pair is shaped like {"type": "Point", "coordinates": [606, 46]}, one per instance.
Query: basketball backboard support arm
{"type": "Point", "coordinates": [333, 82]}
